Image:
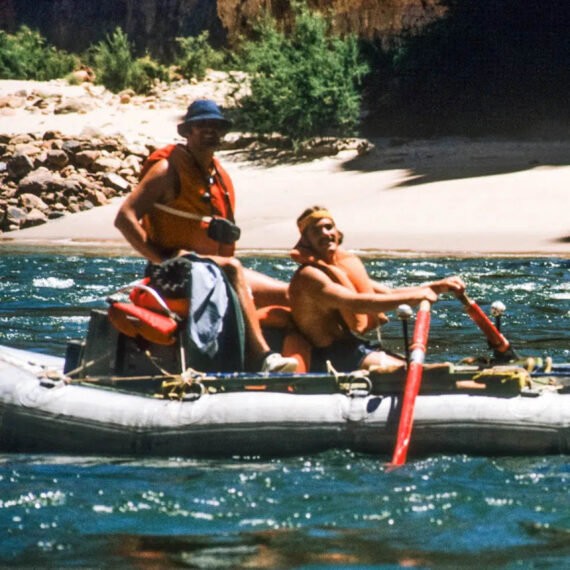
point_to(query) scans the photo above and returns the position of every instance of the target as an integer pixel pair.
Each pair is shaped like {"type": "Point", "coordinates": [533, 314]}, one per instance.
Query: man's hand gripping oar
{"type": "Point", "coordinates": [502, 349]}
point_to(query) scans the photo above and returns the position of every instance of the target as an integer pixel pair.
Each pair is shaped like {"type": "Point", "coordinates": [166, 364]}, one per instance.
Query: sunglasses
{"type": "Point", "coordinates": [210, 124]}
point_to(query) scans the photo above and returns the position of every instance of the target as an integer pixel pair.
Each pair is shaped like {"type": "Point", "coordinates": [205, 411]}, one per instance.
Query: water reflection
{"type": "Point", "coordinates": [289, 548]}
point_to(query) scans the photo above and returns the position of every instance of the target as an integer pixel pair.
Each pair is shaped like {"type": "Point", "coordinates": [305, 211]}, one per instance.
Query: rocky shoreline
{"type": "Point", "coordinates": [48, 172]}
{"type": "Point", "coordinates": [45, 177]}
{"type": "Point", "coordinates": [70, 149]}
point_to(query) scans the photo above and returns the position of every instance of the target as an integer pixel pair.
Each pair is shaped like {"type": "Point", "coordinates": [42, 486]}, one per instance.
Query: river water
{"type": "Point", "coordinates": [336, 509]}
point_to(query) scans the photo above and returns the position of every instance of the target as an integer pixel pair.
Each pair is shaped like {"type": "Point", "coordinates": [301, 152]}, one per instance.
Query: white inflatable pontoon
{"type": "Point", "coordinates": [43, 410]}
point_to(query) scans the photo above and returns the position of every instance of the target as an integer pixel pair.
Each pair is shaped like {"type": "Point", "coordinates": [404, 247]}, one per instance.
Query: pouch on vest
{"type": "Point", "coordinates": [223, 231]}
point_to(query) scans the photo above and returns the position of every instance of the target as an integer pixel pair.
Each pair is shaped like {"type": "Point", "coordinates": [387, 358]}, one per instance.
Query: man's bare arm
{"type": "Point", "coordinates": [379, 287]}
{"type": "Point", "coordinates": [330, 295]}
{"type": "Point", "coordinates": [154, 188]}
{"type": "Point", "coordinates": [448, 285]}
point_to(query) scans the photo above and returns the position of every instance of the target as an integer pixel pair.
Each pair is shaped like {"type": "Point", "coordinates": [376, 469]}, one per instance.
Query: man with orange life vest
{"type": "Point", "coordinates": [185, 202]}
{"type": "Point", "coordinates": [332, 297]}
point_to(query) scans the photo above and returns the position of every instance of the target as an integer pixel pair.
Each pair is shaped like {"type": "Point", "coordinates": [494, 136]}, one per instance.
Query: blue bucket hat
{"type": "Point", "coordinates": [202, 110]}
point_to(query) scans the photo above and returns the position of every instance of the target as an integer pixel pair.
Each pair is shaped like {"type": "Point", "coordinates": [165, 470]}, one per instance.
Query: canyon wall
{"type": "Point", "coordinates": [153, 25]}
{"type": "Point", "coordinates": [370, 19]}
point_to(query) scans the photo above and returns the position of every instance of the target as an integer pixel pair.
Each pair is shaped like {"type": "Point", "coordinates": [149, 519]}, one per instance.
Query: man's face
{"type": "Point", "coordinates": [206, 134]}
{"type": "Point", "coordinates": [323, 238]}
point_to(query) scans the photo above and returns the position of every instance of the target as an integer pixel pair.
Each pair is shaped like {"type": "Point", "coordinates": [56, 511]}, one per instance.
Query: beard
{"type": "Point", "coordinates": [210, 140]}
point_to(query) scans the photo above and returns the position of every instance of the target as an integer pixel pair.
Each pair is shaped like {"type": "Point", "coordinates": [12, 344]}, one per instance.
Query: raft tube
{"type": "Point", "coordinates": [41, 415]}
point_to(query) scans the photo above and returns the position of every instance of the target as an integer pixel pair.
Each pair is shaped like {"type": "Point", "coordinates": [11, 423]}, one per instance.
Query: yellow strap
{"type": "Point", "coordinates": [505, 375]}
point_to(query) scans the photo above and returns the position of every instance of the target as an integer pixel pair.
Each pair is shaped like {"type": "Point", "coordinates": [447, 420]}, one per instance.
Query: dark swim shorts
{"type": "Point", "coordinates": [345, 355]}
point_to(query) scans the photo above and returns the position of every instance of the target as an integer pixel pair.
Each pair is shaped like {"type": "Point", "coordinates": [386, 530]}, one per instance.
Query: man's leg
{"type": "Point", "coordinates": [382, 362]}
{"type": "Point", "coordinates": [266, 290]}
{"type": "Point", "coordinates": [258, 352]}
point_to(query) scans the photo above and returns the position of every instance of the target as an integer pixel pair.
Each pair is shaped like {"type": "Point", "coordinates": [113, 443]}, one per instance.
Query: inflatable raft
{"type": "Point", "coordinates": [128, 401]}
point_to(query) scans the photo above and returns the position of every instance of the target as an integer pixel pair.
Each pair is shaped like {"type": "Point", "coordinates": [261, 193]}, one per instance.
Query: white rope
{"type": "Point", "coordinates": [183, 214]}
{"type": "Point", "coordinates": [151, 292]}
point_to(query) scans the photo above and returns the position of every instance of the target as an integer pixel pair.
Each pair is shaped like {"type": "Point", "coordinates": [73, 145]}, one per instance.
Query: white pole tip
{"type": "Point", "coordinates": [498, 308]}
{"type": "Point", "coordinates": [404, 312]}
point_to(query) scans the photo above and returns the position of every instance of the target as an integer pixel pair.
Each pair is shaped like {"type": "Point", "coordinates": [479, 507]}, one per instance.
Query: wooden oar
{"type": "Point", "coordinates": [500, 345]}
{"type": "Point", "coordinates": [413, 381]}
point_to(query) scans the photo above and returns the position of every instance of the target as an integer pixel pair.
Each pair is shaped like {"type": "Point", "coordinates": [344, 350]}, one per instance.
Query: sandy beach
{"type": "Point", "coordinates": [453, 196]}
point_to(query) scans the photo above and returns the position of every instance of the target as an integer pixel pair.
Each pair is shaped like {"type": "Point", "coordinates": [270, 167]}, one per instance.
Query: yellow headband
{"type": "Point", "coordinates": [303, 223]}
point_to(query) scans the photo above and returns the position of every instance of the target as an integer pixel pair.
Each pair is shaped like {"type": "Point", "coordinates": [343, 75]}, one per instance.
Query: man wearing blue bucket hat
{"type": "Point", "coordinates": [184, 202]}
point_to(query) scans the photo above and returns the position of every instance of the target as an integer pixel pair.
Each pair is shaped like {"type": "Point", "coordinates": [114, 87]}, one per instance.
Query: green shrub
{"type": "Point", "coordinates": [303, 83]}
{"type": "Point", "coordinates": [145, 72]}
{"type": "Point", "coordinates": [196, 55]}
{"type": "Point", "coordinates": [25, 55]}
{"type": "Point", "coordinates": [113, 60]}
{"type": "Point", "coordinates": [117, 69]}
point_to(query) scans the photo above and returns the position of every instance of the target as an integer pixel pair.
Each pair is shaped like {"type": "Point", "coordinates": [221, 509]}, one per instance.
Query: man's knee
{"type": "Point", "coordinates": [381, 361]}
{"type": "Point", "coordinates": [232, 267]}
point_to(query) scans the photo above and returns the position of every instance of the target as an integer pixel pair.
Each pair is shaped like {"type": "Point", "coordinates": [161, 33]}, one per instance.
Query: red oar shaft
{"type": "Point", "coordinates": [497, 341]}
{"type": "Point", "coordinates": [413, 381]}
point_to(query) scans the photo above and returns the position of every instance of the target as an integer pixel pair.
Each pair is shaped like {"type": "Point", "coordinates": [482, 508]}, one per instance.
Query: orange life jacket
{"type": "Point", "coordinates": [171, 231]}
{"type": "Point", "coordinates": [134, 321]}
{"type": "Point", "coordinates": [349, 272]}
{"type": "Point", "coordinates": [145, 317]}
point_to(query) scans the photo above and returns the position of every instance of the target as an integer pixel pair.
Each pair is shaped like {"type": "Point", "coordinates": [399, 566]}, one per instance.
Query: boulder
{"type": "Point", "coordinates": [19, 166]}
{"type": "Point", "coordinates": [36, 182]}
{"type": "Point", "coordinates": [138, 150]}
{"type": "Point", "coordinates": [31, 149]}
{"type": "Point", "coordinates": [65, 186]}
{"type": "Point", "coordinates": [116, 182]}
{"type": "Point", "coordinates": [22, 139]}
{"type": "Point", "coordinates": [33, 202]}
{"type": "Point", "coordinates": [81, 106]}
{"type": "Point", "coordinates": [12, 102]}
{"type": "Point", "coordinates": [96, 197]}
{"type": "Point", "coordinates": [13, 218]}
{"type": "Point", "coordinates": [73, 146]}
{"type": "Point", "coordinates": [33, 218]}
{"type": "Point", "coordinates": [133, 163]}
{"type": "Point", "coordinates": [57, 158]}
{"type": "Point", "coordinates": [107, 164]}
{"type": "Point", "coordinates": [86, 158]}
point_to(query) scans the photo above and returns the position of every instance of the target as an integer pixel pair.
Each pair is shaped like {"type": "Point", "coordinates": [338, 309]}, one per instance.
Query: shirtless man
{"type": "Point", "coordinates": [169, 214]}
{"type": "Point", "coordinates": [324, 304]}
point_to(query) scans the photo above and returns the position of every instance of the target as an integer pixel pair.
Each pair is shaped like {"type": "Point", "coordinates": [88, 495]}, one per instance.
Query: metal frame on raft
{"type": "Point", "coordinates": [109, 357]}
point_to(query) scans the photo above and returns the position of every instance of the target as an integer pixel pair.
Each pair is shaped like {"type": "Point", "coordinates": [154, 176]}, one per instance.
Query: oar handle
{"type": "Point", "coordinates": [413, 381]}
{"type": "Point", "coordinates": [497, 341]}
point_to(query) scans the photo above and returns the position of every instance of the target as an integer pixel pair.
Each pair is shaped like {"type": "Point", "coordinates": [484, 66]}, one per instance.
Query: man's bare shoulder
{"type": "Point", "coordinates": [160, 182]}
{"type": "Point", "coordinates": [160, 169]}
{"type": "Point", "coordinates": [309, 276]}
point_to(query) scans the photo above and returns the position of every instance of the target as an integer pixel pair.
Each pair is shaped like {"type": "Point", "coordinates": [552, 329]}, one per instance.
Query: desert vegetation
{"type": "Point", "coordinates": [484, 68]}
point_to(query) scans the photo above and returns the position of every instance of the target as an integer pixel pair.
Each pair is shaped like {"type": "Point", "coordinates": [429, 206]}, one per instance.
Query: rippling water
{"type": "Point", "coordinates": [332, 509]}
